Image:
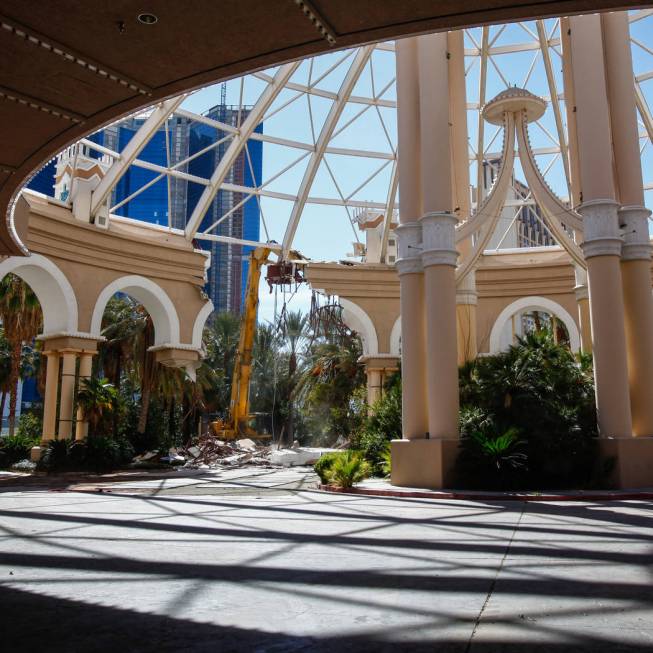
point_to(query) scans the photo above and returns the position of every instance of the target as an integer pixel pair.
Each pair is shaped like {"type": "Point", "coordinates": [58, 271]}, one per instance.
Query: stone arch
{"type": "Point", "coordinates": [154, 299]}
{"type": "Point", "coordinates": [52, 289]}
{"type": "Point", "coordinates": [358, 320]}
{"type": "Point", "coordinates": [395, 337]}
{"type": "Point", "coordinates": [200, 323]}
{"type": "Point", "coordinates": [534, 303]}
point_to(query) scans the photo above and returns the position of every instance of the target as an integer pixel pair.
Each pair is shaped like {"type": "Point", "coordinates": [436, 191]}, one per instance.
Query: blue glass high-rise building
{"type": "Point", "coordinates": [171, 201]}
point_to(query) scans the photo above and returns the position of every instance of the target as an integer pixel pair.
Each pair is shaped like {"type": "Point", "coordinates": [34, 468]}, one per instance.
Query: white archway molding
{"type": "Point", "coordinates": [200, 323]}
{"type": "Point", "coordinates": [395, 338]}
{"type": "Point", "coordinates": [51, 287]}
{"type": "Point", "coordinates": [533, 304]}
{"type": "Point", "coordinates": [359, 321]}
{"type": "Point", "coordinates": [154, 299]}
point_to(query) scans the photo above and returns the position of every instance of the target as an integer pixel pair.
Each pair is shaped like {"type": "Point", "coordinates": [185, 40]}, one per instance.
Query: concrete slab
{"type": "Point", "coordinates": [146, 569]}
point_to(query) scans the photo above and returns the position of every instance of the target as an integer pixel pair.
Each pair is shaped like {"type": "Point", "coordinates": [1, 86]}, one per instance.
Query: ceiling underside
{"type": "Point", "coordinates": [69, 67]}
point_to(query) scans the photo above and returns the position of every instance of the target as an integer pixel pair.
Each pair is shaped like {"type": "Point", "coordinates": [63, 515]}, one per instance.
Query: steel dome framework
{"type": "Point", "coordinates": [329, 131]}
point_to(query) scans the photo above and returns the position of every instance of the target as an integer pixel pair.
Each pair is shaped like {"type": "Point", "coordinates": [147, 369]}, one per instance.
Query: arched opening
{"type": "Point", "coordinates": [21, 371]}
{"type": "Point", "coordinates": [530, 314]}
{"type": "Point", "coordinates": [154, 400]}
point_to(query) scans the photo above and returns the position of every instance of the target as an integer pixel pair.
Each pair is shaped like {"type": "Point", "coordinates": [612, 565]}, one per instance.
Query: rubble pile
{"type": "Point", "coordinates": [209, 452]}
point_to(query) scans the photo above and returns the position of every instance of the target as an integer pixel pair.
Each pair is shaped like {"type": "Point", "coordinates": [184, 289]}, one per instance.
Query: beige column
{"type": "Point", "coordinates": [439, 260]}
{"type": "Point", "coordinates": [414, 415]}
{"type": "Point", "coordinates": [69, 360]}
{"type": "Point", "coordinates": [439, 254]}
{"type": "Point", "coordinates": [409, 267]}
{"type": "Point", "coordinates": [50, 399]}
{"type": "Point", "coordinates": [602, 240]}
{"type": "Point", "coordinates": [466, 302]}
{"type": "Point", "coordinates": [633, 217]}
{"type": "Point", "coordinates": [373, 385]}
{"type": "Point", "coordinates": [583, 301]}
{"type": "Point", "coordinates": [85, 369]}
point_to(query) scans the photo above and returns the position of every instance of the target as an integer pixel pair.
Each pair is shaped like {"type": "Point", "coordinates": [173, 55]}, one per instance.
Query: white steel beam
{"type": "Point", "coordinates": [644, 111]}
{"type": "Point", "coordinates": [481, 123]}
{"type": "Point", "coordinates": [390, 209]}
{"type": "Point", "coordinates": [348, 83]}
{"type": "Point", "coordinates": [254, 117]}
{"type": "Point", "coordinates": [562, 140]}
{"type": "Point", "coordinates": [230, 240]}
{"type": "Point", "coordinates": [138, 141]}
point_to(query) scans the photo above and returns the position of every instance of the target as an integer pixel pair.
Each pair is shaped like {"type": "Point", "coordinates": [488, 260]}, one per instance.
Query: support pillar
{"type": "Point", "coordinates": [633, 218]}
{"type": "Point", "coordinates": [428, 462]}
{"type": "Point", "coordinates": [85, 369]}
{"type": "Point", "coordinates": [69, 361]}
{"type": "Point", "coordinates": [439, 260]}
{"type": "Point", "coordinates": [466, 301]}
{"type": "Point", "coordinates": [602, 238]}
{"type": "Point", "coordinates": [583, 301]}
{"type": "Point", "coordinates": [49, 404]}
{"type": "Point", "coordinates": [409, 266]}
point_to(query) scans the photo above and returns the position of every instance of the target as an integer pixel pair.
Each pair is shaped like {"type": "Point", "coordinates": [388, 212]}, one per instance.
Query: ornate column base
{"type": "Point", "coordinates": [633, 468]}
{"type": "Point", "coordinates": [423, 463]}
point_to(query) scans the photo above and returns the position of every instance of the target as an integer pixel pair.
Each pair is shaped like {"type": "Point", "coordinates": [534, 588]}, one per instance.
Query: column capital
{"type": "Point", "coordinates": [439, 239]}
{"type": "Point", "coordinates": [600, 228]}
{"type": "Point", "coordinates": [634, 223]}
{"type": "Point", "coordinates": [409, 248]}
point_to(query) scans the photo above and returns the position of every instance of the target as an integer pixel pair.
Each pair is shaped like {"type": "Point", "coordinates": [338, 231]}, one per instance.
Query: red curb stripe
{"type": "Point", "coordinates": [501, 496]}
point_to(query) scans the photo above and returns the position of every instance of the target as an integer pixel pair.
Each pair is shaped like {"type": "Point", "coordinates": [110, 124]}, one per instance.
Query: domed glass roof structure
{"type": "Point", "coordinates": [327, 126]}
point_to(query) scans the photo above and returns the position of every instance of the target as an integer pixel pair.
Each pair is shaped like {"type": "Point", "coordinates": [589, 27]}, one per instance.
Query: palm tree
{"type": "Point", "coordinates": [98, 400]}
{"type": "Point", "coordinates": [21, 318]}
{"type": "Point", "coordinates": [295, 330]}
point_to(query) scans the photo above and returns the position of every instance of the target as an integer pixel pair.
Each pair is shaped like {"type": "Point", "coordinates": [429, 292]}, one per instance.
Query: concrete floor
{"type": "Point", "coordinates": [240, 561]}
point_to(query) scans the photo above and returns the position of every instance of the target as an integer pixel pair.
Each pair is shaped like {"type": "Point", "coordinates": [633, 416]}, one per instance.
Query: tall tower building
{"type": "Point", "coordinates": [170, 202]}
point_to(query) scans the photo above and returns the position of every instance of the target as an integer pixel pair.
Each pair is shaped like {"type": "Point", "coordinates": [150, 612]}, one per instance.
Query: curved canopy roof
{"type": "Point", "coordinates": [68, 67]}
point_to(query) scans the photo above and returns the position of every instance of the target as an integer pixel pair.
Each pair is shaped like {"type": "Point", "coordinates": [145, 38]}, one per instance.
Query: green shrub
{"type": "Point", "coordinates": [30, 427]}
{"type": "Point", "coordinates": [324, 464]}
{"type": "Point", "coordinates": [489, 459]}
{"type": "Point", "coordinates": [349, 468]}
{"type": "Point", "coordinates": [97, 453]}
{"type": "Point", "coordinates": [540, 390]}
{"type": "Point", "coordinates": [382, 424]}
{"type": "Point", "coordinates": [57, 456]}
{"type": "Point", "coordinates": [14, 448]}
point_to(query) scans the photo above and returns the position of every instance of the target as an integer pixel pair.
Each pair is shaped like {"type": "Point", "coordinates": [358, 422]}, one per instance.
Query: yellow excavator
{"type": "Point", "coordinates": [238, 423]}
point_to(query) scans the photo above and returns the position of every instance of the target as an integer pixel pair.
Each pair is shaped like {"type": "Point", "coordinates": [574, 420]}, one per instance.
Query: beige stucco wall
{"type": "Point", "coordinates": [501, 279]}
{"type": "Point", "coordinates": [91, 259]}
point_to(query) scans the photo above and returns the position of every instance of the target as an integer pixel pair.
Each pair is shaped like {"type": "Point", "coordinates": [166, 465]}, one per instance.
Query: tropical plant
{"type": "Point", "coordinates": [382, 424]}
{"type": "Point", "coordinates": [98, 400]}
{"type": "Point", "coordinates": [348, 469]}
{"type": "Point", "coordinates": [16, 447]}
{"type": "Point", "coordinates": [30, 426]}
{"type": "Point", "coordinates": [21, 316]}
{"type": "Point", "coordinates": [324, 464]}
{"type": "Point", "coordinates": [539, 388]}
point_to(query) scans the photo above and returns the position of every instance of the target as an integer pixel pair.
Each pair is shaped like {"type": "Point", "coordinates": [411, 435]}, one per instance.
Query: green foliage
{"type": "Point", "coordinates": [324, 464]}
{"type": "Point", "coordinates": [16, 447]}
{"type": "Point", "coordinates": [331, 388]}
{"type": "Point", "coordinates": [529, 408]}
{"type": "Point", "coordinates": [349, 468]}
{"type": "Point", "coordinates": [97, 453]}
{"type": "Point", "coordinates": [382, 424]}
{"type": "Point", "coordinates": [30, 427]}
{"type": "Point", "coordinates": [98, 400]}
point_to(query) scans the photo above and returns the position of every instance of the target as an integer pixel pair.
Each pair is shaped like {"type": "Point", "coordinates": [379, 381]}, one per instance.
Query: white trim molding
{"type": "Point", "coordinates": [534, 303]}
{"type": "Point", "coordinates": [154, 299]}
{"type": "Point", "coordinates": [51, 287]}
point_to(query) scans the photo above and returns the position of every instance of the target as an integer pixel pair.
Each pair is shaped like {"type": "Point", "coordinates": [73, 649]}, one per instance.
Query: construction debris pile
{"type": "Point", "coordinates": [209, 452]}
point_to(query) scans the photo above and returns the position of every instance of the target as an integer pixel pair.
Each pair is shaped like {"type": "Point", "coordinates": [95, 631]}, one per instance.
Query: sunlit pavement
{"type": "Point", "coordinates": [242, 561]}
